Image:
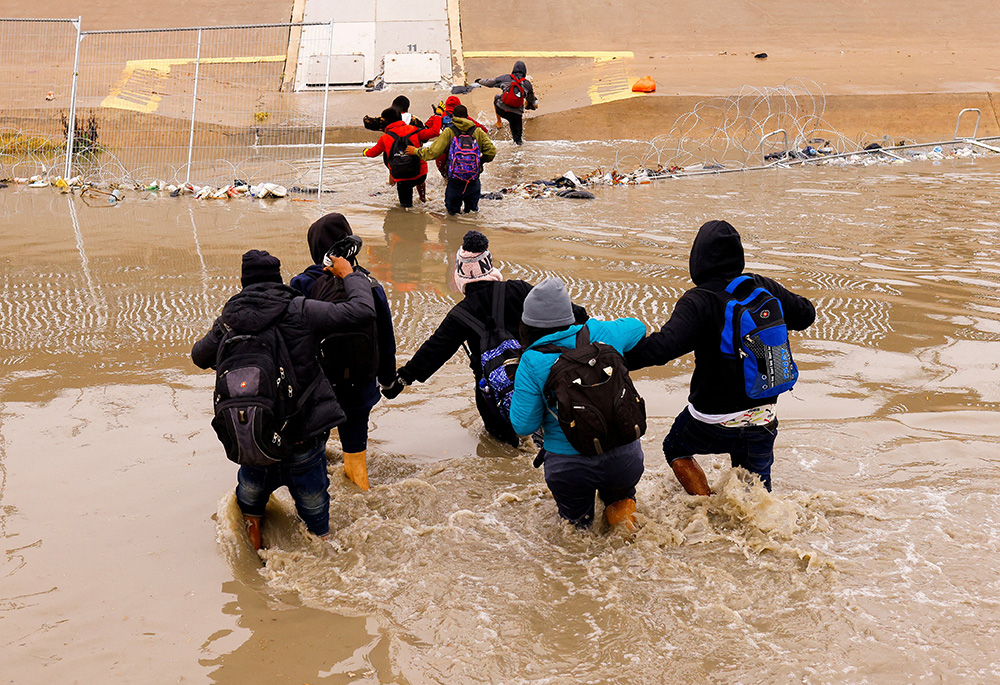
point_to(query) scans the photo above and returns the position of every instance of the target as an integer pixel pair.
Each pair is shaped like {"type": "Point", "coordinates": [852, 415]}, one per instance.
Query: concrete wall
{"type": "Point", "coordinates": [409, 39]}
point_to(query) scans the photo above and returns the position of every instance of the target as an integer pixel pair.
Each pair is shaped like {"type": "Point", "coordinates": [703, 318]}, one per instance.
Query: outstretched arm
{"type": "Point", "coordinates": [677, 337]}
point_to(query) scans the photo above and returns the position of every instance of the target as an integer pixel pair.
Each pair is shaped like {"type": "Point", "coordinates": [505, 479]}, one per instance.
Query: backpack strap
{"type": "Point", "coordinates": [469, 320]}
{"type": "Point", "coordinates": [582, 339]}
{"type": "Point", "coordinates": [499, 304]}
{"type": "Point", "coordinates": [736, 282]}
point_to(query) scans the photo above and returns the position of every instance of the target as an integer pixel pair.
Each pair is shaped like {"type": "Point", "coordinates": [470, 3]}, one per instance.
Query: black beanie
{"type": "Point", "coordinates": [474, 241]}
{"type": "Point", "coordinates": [260, 267]}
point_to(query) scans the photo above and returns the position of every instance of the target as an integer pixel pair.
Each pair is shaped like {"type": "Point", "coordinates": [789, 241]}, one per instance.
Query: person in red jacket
{"type": "Point", "coordinates": [405, 171]}
{"type": "Point", "coordinates": [441, 119]}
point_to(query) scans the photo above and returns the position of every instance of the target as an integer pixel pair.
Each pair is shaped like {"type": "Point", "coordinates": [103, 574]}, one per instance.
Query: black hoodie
{"type": "Point", "coordinates": [717, 385]}
{"type": "Point", "coordinates": [502, 80]}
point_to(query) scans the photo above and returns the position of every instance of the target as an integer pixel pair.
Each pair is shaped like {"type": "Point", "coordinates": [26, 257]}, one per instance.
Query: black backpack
{"type": "Point", "coordinates": [595, 401]}
{"type": "Point", "coordinates": [754, 331]}
{"type": "Point", "coordinates": [256, 396]}
{"type": "Point", "coordinates": [500, 353]}
{"type": "Point", "coordinates": [348, 357]}
{"type": "Point", "coordinates": [402, 165]}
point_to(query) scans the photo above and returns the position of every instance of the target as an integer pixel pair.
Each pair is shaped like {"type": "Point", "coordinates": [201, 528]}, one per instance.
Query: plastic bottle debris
{"type": "Point", "coordinates": [115, 196]}
{"type": "Point", "coordinates": [268, 190]}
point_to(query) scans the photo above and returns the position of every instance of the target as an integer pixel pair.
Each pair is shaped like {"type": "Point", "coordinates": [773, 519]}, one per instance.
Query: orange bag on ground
{"type": "Point", "coordinates": [644, 85]}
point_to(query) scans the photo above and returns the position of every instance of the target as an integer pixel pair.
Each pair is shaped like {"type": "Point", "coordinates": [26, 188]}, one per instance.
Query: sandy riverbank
{"type": "Point", "coordinates": [884, 69]}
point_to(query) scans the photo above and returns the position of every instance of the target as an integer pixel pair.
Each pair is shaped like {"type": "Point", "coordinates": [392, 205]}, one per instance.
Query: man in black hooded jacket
{"type": "Point", "coordinates": [302, 323]}
{"type": "Point", "coordinates": [720, 417]}
{"type": "Point", "coordinates": [517, 94]}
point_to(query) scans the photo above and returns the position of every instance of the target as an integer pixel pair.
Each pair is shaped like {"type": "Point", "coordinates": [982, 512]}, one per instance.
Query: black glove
{"type": "Point", "coordinates": [391, 391]}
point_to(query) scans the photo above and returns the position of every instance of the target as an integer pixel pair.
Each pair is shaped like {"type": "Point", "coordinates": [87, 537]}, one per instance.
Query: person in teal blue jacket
{"type": "Point", "coordinates": [572, 478]}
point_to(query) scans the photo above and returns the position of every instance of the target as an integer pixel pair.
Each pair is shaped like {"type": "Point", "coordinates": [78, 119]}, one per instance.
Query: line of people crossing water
{"type": "Point", "coordinates": [461, 144]}
{"type": "Point", "coordinates": [295, 361]}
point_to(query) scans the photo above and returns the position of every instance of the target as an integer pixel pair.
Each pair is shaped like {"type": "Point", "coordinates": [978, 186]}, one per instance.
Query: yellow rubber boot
{"type": "Point", "coordinates": [356, 468]}
{"type": "Point", "coordinates": [622, 511]}
{"type": "Point", "coordinates": [253, 531]}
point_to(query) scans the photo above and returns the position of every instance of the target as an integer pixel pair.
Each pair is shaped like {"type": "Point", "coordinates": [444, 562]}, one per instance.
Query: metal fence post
{"type": "Point", "coordinates": [194, 110]}
{"type": "Point", "coordinates": [71, 124]}
{"type": "Point", "coordinates": [326, 100]}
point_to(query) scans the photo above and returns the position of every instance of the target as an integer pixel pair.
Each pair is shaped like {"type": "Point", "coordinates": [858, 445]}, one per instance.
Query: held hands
{"type": "Point", "coordinates": [391, 391]}
{"type": "Point", "coordinates": [410, 150]}
{"type": "Point", "coordinates": [340, 268]}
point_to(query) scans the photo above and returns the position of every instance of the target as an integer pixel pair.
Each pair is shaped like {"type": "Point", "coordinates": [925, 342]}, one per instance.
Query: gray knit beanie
{"type": "Point", "coordinates": [548, 305]}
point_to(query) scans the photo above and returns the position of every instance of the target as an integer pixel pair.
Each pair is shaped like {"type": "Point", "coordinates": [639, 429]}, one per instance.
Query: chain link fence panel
{"type": "Point", "coordinates": [203, 105]}
{"type": "Point", "coordinates": [36, 79]}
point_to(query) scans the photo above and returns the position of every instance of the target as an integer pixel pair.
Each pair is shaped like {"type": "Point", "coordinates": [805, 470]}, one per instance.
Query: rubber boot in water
{"type": "Point", "coordinates": [356, 468]}
{"type": "Point", "coordinates": [253, 531]}
{"type": "Point", "coordinates": [622, 511]}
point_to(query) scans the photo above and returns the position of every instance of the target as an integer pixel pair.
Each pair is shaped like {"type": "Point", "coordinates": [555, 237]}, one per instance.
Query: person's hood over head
{"type": "Point", "coordinates": [717, 252]}
{"type": "Point", "coordinates": [450, 104]}
{"type": "Point", "coordinates": [519, 69]}
{"type": "Point", "coordinates": [326, 231]}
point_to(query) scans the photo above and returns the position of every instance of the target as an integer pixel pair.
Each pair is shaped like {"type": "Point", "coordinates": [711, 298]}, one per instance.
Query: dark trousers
{"type": "Point", "coordinates": [459, 193]}
{"type": "Point", "coordinates": [574, 479]}
{"type": "Point", "coordinates": [495, 424]}
{"type": "Point", "coordinates": [404, 189]}
{"type": "Point", "coordinates": [307, 480]}
{"type": "Point", "coordinates": [750, 447]}
{"type": "Point", "coordinates": [516, 122]}
{"type": "Point", "coordinates": [357, 403]}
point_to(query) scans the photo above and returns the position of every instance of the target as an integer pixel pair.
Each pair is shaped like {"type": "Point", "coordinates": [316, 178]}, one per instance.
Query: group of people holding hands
{"type": "Point", "coordinates": [335, 336]}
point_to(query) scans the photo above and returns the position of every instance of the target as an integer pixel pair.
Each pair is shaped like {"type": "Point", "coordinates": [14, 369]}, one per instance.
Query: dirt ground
{"type": "Point", "coordinates": [885, 66]}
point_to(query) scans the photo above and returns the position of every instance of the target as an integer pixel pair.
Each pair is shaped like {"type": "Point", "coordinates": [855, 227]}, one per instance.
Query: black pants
{"type": "Point", "coordinates": [405, 190]}
{"type": "Point", "coordinates": [462, 193]}
{"type": "Point", "coordinates": [516, 122]}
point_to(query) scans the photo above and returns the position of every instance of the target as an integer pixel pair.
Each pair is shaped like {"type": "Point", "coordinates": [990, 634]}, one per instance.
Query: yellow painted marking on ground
{"type": "Point", "coordinates": [134, 89]}
{"type": "Point", "coordinates": [613, 84]}
{"type": "Point", "coordinates": [599, 55]}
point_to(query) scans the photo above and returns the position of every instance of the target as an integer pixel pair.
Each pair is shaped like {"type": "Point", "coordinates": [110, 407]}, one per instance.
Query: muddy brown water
{"type": "Point", "coordinates": [874, 560]}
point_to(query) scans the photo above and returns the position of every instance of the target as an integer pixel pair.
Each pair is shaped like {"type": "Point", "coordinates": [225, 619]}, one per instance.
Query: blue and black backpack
{"type": "Point", "coordinates": [755, 331]}
{"type": "Point", "coordinates": [500, 353]}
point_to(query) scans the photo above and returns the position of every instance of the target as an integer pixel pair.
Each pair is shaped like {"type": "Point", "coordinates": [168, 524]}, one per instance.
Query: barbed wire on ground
{"type": "Point", "coordinates": [754, 128]}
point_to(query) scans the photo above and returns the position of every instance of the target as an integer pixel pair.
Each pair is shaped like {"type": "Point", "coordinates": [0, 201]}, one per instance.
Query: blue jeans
{"type": "Point", "coordinates": [306, 478]}
{"type": "Point", "coordinates": [750, 447]}
{"type": "Point", "coordinates": [459, 193]}
{"type": "Point", "coordinates": [574, 478]}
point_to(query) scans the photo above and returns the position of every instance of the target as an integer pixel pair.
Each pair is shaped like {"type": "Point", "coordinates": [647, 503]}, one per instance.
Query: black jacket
{"type": "Point", "coordinates": [717, 385]}
{"type": "Point", "coordinates": [302, 323]}
{"type": "Point", "coordinates": [452, 332]}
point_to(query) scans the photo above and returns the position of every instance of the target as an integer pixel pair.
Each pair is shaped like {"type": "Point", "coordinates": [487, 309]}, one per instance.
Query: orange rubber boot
{"type": "Point", "coordinates": [253, 531]}
{"type": "Point", "coordinates": [622, 511]}
{"type": "Point", "coordinates": [356, 468]}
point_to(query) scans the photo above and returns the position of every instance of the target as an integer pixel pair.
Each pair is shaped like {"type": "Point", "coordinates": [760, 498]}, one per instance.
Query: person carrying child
{"type": "Point", "coordinates": [406, 171]}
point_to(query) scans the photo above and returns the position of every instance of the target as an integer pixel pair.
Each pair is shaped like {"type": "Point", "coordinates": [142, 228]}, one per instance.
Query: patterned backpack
{"type": "Point", "coordinates": [464, 156]}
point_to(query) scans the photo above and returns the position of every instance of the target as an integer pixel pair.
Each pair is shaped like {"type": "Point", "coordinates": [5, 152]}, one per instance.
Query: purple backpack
{"type": "Point", "coordinates": [464, 156]}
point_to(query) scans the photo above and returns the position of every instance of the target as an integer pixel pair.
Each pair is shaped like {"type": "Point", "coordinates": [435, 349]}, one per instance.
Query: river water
{"type": "Point", "coordinates": [874, 560]}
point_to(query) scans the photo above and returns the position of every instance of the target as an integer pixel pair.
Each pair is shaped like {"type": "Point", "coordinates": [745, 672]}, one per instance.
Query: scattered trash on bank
{"type": "Point", "coordinates": [116, 192]}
